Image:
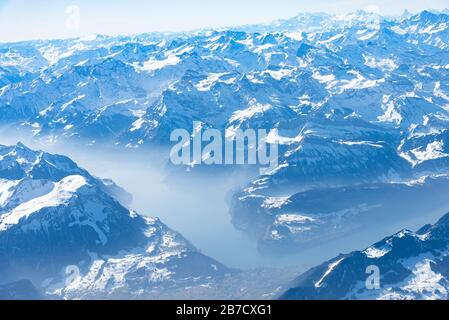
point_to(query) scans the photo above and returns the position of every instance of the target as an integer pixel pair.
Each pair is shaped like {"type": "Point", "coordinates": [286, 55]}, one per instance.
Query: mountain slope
{"type": "Point", "coordinates": [413, 265]}
{"type": "Point", "coordinates": [60, 229]}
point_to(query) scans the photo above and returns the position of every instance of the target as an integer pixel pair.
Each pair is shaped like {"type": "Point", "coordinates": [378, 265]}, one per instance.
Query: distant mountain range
{"type": "Point", "coordinates": [133, 91]}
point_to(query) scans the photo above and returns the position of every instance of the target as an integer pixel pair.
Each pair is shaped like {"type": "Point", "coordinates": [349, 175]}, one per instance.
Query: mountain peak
{"type": "Point", "coordinates": [399, 259]}
{"type": "Point", "coordinates": [430, 16]}
{"type": "Point", "coordinates": [406, 14]}
{"type": "Point", "coordinates": [54, 215]}
{"type": "Point", "coordinates": [21, 145]}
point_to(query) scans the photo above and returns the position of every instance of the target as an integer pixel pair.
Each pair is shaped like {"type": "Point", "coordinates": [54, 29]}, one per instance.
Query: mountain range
{"type": "Point", "coordinates": [361, 106]}
{"type": "Point", "coordinates": [62, 229]}
{"type": "Point", "coordinates": [65, 234]}
{"type": "Point", "coordinates": [411, 265]}
{"type": "Point", "coordinates": [358, 99]}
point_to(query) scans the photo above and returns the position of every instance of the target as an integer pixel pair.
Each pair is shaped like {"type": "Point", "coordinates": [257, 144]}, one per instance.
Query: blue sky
{"type": "Point", "coordinates": [30, 19]}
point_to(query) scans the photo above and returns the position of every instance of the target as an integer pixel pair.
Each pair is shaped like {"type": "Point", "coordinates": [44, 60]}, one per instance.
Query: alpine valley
{"type": "Point", "coordinates": [67, 232]}
{"type": "Point", "coordinates": [360, 104]}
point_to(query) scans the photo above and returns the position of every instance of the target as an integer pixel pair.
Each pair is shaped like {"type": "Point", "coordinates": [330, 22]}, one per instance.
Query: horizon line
{"type": "Point", "coordinates": [219, 29]}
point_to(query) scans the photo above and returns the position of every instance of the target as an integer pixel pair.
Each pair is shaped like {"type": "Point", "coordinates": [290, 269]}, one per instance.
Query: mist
{"type": "Point", "coordinates": [196, 204]}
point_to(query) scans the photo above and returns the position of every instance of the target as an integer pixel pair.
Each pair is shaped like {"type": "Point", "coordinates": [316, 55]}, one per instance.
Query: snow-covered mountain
{"type": "Point", "coordinates": [358, 100]}
{"type": "Point", "coordinates": [62, 230]}
{"type": "Point", "coordinates": [411, 265]}
{"type": "Point", "coordinates": [133, 91]}
{"type": "Point", "coordinates": [320, 215]}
